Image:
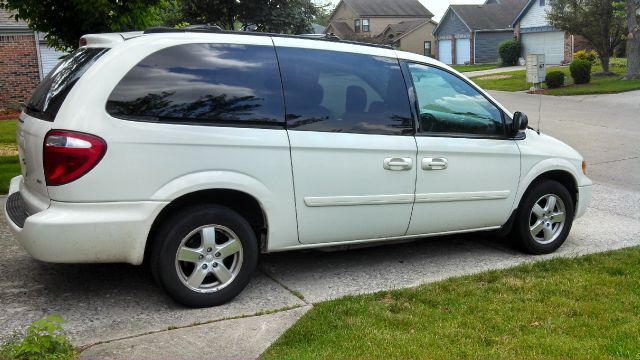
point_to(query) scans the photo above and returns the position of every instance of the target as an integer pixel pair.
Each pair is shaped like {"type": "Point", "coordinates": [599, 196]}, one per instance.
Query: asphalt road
{"type": "Point", "coordinates": [119, 307]}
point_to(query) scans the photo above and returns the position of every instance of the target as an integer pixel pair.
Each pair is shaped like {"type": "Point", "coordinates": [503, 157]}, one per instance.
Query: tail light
{"type": "Point", "coordinates": [68, 155]}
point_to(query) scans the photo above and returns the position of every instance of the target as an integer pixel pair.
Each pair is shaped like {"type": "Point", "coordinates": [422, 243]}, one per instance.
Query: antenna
{"type": "Point", "coordinates": [539, 110]}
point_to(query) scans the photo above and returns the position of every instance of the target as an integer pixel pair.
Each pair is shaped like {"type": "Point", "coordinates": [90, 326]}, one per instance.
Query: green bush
{"type": "Point", "coordinates": [43, 340]}
{"type": "Point", "coordinates": [509, 52]}
{"type": "Point", "coordinates": [554, 79]}
{"type": "Point", "coordinates": [580, 71]}
{"type": "Point", "coordinates": [591, 56]}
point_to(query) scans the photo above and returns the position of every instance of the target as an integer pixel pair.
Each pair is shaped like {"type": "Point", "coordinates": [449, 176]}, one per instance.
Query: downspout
{"type": "Point", "coordinates": [475, 33]}
{"type": "Point", "coordinates": [38, 54]}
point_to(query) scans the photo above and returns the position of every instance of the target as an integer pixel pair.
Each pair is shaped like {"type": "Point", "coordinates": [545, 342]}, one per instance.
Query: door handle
{"type": "Point", "coordinates": [398, 164]}
{"type": "Point", "coordinates": [434, 164]}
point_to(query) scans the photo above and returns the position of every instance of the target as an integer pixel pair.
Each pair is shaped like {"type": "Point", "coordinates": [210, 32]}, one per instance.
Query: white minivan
{"type": "Point", "coordinates": [195, 150]}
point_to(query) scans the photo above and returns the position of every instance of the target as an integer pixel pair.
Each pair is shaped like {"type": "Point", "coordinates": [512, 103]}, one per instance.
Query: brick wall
{"type": "Point", "coordinates": [579, 43]}
{"type": "Point", "coordinates": [19, 72]}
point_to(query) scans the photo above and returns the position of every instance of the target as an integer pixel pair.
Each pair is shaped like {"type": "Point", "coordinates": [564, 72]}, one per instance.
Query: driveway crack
{"type": "Point", "coordinates": [295, 293]}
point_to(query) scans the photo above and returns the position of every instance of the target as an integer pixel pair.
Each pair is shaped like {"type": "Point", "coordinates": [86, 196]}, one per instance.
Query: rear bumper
{"type": "Point", "coordinates": [83, 232]}
{"type": "Point", "coordinates": [584, 198]}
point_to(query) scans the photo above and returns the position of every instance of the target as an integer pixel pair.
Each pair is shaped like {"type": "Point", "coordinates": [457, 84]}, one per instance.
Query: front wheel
{"type": "Point", "coordinates": [544, 218]}
{"type": "Point", "coordinates": [204, 256]}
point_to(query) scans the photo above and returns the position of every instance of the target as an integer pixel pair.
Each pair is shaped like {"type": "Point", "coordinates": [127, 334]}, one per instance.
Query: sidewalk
{"type": "Point", "coordinates": [499, 70]}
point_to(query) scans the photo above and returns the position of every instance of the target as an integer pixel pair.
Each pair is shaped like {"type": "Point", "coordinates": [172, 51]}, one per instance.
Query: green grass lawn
{"type": "Point", "coordinates": [478, 67]}
{"type": "Point", "coordinates": [516, 81]}
{"type": "Point", "coordinates": [583, 308]}
{"type": "Point", "coordinates": [9, 163]}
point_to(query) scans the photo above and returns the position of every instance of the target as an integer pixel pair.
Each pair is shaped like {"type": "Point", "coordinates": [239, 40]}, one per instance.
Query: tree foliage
{"type": "Point", "coordinates": [278, 16]}
{"type": "Point", "coordinates": [601, 22]}
{"type": "Point", "coordinates": [65, 21]}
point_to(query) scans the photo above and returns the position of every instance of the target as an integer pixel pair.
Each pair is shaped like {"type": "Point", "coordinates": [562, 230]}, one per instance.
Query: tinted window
{"type": "Point", "coordinates": [450, 105]}
{"type": "Point", "coordinates": [229, 85]}
{"type": "Point", "coordinates": [342, 92]}
{"type": "Point", "coordinates": [49, 95]}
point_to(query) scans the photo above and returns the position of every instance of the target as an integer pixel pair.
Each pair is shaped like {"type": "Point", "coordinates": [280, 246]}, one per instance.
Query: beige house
{"type": "Point", "coordinates": [403, 23]}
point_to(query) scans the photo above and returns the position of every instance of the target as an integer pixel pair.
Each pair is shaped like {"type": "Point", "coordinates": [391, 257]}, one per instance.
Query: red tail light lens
{"type": "Point", "coordinates": [68, 155]}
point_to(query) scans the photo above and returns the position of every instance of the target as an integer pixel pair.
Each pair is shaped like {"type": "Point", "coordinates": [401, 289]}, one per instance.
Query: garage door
{"type": "Point", "coordinates": [444, 51]}
{"type": "Point", "coordinates": [49, 58]}
{"type": "Point", "coordinates": [463, 51]}
{"type": "Point", "coordinates": [551, 44]}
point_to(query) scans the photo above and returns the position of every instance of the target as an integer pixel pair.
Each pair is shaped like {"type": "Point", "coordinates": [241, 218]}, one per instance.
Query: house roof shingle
{"type": "Point", "coordinates": [341, 28]}
{"type": "Point", "coordinates": [493, 16]}
{"type": "Point", "coordinates": [389, 8]}
{"type": "Point", "coordinates": [6, 19]}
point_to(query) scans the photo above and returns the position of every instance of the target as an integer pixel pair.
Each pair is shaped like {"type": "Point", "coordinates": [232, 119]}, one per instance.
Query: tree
{"type": "Point", "coordinates": [633, 40]}
{"type": "Point", "coordinates": [595, 20]}
{"type": "Point", "coordinates": [65, 21]}
{"type": "Point", "coordinates": [278, 16]}
{"type": "Point", "coordinates": [325, 10]}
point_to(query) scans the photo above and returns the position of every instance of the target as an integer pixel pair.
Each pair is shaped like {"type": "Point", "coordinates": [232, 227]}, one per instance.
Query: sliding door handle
{"type": "Point", "coordinates": [434, 164]}
{"type": "Point", "coordinates": [398, 164]}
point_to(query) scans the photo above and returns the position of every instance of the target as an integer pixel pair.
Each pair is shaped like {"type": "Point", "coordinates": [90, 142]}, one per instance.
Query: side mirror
{"type": "Point", "coordinates": [520, 121]}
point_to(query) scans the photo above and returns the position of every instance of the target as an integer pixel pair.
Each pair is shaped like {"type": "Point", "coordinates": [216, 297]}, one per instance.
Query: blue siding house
{"type": "Point", "coordinates": [470, 34]}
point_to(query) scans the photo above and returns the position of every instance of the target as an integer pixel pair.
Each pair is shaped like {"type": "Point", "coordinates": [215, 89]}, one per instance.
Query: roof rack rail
{"type": "Point", "coordinates": [190, 28]}
{"type": "Point", "coordinates": [208, 28]}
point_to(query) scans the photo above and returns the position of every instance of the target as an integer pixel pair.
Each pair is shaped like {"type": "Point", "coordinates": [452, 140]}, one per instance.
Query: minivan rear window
{"type": "Point", "coordinates": [203, 84]}
{"type": "Point", "coordinates": [54, 88]}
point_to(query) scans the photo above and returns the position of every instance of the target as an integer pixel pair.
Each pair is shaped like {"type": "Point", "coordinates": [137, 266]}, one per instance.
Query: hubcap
{"type": "Point", "coordinates": [209, 258]}
{"type": "Point", "coordinates": [547, 219]}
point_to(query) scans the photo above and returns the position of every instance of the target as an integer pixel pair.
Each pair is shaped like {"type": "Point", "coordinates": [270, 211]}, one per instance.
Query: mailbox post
{"type": "Point", "coordinates": [536, 70]}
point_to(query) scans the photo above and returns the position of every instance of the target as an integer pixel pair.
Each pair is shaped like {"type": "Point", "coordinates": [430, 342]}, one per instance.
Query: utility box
{"type": "Point", "coordinates": [536, 70]}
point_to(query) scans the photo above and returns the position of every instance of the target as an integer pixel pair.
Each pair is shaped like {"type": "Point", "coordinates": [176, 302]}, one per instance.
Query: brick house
{"type": "Point", "coordinates": [24, 60]}
{"type": "Point", "coordinates": [404, 23]}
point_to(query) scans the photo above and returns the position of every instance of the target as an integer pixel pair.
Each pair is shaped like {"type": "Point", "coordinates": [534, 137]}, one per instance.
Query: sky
{"type": "Point", "coordinates": [438, 7]}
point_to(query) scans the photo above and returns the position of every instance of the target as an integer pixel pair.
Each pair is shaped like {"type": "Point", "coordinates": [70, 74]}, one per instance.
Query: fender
{"type": "Point", "coordinates": [540, 168]}
{"type": "Point", "coordinates": [281, 216]}
{"type": "Point", "coordinates": [208, 180]}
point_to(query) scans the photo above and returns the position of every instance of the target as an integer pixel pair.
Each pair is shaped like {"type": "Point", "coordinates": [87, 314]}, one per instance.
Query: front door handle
{"type": "Point", "coordinates": [398, 164]}
{"type": "Point", "coordinates": [434, 163]}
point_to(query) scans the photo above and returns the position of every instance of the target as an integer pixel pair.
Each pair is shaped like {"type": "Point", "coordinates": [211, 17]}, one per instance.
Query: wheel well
{"type": "Point", "coordinates": [240, 202]}
{"type": "Point", "coordinates": [563, 177]}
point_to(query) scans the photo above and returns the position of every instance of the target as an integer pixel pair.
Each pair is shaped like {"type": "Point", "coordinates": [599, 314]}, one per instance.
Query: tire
{"type": "Point", "coordinates": [544, 230]}
{"type": "Point", "coordinates": [218, 255]}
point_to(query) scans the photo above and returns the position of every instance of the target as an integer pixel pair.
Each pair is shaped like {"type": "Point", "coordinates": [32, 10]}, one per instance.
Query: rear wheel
{"type": "Point", "coordinates": [544, 218]}
{"type": "Point", "coordinates": [204, 256]}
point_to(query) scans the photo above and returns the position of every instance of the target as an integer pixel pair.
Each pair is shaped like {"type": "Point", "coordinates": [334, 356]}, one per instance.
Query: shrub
{"type": "Point", "coordinates": [510, 52]}
{"type": "Point", "coordinates": [44, 339]}
{"type": "Point", "coordinates": [591, 56]}
{"type": "Point", "coordinates": [580, 71]}
{"type": "Point", "coordinates": [554, 79]}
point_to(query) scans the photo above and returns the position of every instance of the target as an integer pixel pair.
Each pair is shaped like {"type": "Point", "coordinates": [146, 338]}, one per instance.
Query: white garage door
{"type": "Point", "coordinates": [463, 51]}
{"type": "Point", "coordinates": [551, 44]}
{"type": "Point", "coordinates": [444, 51]}
{"type": "Point", "coordinates": [49, 58]}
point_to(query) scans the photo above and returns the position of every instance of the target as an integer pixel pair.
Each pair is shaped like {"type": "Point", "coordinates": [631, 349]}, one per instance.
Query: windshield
{"type": "Point", "coordinates": [49, 95]}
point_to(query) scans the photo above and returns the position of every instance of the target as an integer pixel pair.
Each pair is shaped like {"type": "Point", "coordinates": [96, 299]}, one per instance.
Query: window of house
{"type": "Point", "coordinates": [356, 25]}
{"type": "Point", "coordinates": [427, 48]}
{"type": "Point", "coordinates": [449, 105]}
{"type": "Point", "coordinates": [365, 25]}
{"type": "Point", "coordinates": [329, 91]}
{"type": "Point", "coordinates": [542, 2]}
{"type": "Point", "coordinates": [209, 84]}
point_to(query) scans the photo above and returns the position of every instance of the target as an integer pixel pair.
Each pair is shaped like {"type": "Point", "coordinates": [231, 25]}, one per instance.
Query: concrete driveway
{"type": "Point", "coordinates": [118, 310]}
